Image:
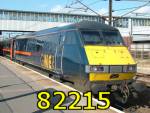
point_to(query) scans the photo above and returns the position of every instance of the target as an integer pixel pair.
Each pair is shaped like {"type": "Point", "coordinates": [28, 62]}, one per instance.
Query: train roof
{"type": "Point", "coordinates": [81, 25]}
{"type": "Point", "coordinates": [88, 25]}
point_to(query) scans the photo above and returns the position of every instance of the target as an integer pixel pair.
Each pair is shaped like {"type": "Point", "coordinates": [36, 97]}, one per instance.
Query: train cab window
{"type": "Point", "coordinates": [71, 37]}
{"type": "Point", "coordinates": [112, 38]}
{"type": "Point", "coordinates": [91, 37]}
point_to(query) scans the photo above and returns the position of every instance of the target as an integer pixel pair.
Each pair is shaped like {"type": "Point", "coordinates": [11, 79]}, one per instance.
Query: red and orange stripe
{"type": "Point", "coordinates": [6, 49]}
{"type": "Point", "coordinates": [23, 53]}
{"type": "Point", "coordinates": [18, 52]}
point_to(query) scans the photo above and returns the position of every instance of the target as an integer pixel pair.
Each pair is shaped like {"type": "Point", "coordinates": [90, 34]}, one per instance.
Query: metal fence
{"type": "Point", "coordinates": [141, 54]}
{"type": "Point", "coordinates": [140, 50]}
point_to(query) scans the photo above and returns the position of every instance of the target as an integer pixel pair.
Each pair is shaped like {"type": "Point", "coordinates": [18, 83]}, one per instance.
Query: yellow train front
{"type": "Point", "coordinates": [110, 65]}
{"type": "Point", "coordinates": [111, 68]}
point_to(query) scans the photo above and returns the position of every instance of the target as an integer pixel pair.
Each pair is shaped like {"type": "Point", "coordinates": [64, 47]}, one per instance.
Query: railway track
{"type": "Point", "coordinates": [143, 75]}
{"type": "Point", "coordinates": [143, 78]}
{"type": "Point", "coordinates": [141, 104]}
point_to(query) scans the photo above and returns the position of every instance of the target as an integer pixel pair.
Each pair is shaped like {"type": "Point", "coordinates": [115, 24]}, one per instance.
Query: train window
{"type": "Point", "coordinates": [112, 38]}
{"type": "Point", "coordinates": [71, 37]}
{"type": "Point", "coordinates": [39, 45]}
{"type": "Point", "coordinates": [31, 45]}
{"type": "Point", "coordinates": [91, 37]}
{"type": "Point", "coordinates": [21, 44]}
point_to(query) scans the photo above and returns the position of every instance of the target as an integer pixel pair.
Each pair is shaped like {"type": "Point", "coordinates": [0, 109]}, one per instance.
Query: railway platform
{"type": "Point", "coordinates": [19, 86]}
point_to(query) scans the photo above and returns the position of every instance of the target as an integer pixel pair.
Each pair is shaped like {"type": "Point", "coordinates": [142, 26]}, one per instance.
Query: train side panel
{"type": "Point", "coordinates": [61, 53]}
{"type": "Point", "coordinates": [36, 51]}
{"type": "Point", "coordinates": [74, 59]}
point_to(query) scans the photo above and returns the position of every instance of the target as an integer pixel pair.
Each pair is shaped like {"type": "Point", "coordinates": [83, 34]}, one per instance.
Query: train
{"type": "Point", "coordinates": [89, 54]}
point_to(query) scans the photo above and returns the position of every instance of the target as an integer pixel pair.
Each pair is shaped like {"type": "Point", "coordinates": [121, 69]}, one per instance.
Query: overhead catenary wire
{"type": "Point", "coordinates": [125, 8]}
{"type": "Point", "coordinates": [92, 3]}
{"type": "Point", "coordinates": [92, 10]}
{"type": "Point", "coordinates": [133, 10]}
{"type": "Point", "coordinates": [88, 8]}
{"type": "Point", "coordinates": [116, 10]}
{"type": "Point", "coordinates": [136, 9]}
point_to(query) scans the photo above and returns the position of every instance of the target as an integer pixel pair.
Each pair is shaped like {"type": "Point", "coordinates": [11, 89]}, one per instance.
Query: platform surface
{"type": "Point", "coordinates": [19, 86]}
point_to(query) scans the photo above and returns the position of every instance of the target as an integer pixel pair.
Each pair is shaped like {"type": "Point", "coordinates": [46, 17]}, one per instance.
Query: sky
{"type": "Point", "coordinates": [99, 6]}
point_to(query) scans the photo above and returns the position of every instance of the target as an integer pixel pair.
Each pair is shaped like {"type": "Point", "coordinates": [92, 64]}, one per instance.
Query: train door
{"type": "Point", "coordinates": [1, 48]}
{"type": "Point", "coordinates": [59, 53]}
{"type": "Point", "coordinates": [11, 48]}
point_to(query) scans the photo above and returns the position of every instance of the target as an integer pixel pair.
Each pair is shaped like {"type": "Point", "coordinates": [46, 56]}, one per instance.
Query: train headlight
{"type": "Point", "coordinates": [93, 68]}
{"type": "Point", "coordinates": [129, 68]}
{"type": "Point", "coordinates": [97, 69]}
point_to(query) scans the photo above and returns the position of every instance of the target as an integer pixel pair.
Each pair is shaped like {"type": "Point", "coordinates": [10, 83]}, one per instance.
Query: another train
{"type": "Point", "coordinates": [88, 54]}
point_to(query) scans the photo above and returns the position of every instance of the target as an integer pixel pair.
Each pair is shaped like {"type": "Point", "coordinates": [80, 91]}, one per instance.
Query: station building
{"type": "Point", "coordinates": [135, 30]}
{"type": "Point", "coordinates": [16, 20]}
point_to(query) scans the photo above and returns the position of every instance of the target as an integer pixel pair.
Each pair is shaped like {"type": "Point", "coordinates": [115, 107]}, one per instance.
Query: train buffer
{"type": "Point", "coordinates": [19, 87]}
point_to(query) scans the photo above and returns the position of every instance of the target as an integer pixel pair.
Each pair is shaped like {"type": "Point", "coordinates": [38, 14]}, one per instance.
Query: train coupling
{"type": "Point", "coordinates": [122, 92]}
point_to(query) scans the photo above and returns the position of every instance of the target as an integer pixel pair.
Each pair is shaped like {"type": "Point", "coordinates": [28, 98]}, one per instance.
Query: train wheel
{"type": "Point", "coordinates": [50, 75]}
